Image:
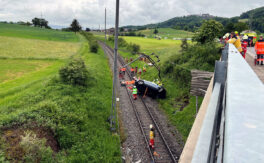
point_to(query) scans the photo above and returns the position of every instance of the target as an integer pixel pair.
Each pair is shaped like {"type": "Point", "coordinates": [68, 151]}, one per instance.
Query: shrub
{"type": "Point", "coordinates": [134, 48]}
{"type": "Point", "coordinates": [184, 45]}
{"type": "Point", "coordinates": [121, 42]}
{"type": "Point", "coordinates": [93, 44]}
{"type": "Point", "coordinates": [74, 73]}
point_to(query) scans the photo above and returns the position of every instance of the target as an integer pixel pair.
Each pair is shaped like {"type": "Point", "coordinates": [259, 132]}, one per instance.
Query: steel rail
{"type": "Point", "coordinates": [137, 115]}
{"type": "Point", "coordinates": [148, 110]}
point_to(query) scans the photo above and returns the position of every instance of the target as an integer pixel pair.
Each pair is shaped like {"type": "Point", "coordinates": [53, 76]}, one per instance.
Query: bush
{"type": "Point", "coordinates": [74, 73]}
{"type": "Point", "coordinates": [93, 44]}
{"type": "Point", "coordinates": [134, 48]}
{"type": "Point", "coordinates": [121, 42]}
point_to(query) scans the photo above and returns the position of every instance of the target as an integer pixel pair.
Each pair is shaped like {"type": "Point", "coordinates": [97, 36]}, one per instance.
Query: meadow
{"type": "Point", "coordinates": [21, 31]}
{"type": "Point", "coordinates": [12, 69]}
{"type": "Point", "coordinates": [11, 47]}
{"type": "Point", "coordinates": [69, 122]}
{"type": "Point", "coordinates": [170, 33]}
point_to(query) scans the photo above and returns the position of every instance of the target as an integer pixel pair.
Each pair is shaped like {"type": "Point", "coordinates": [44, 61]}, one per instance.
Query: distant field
{"type": "Point", "coordinates": [152, 44]}
{"type": "Point", "coordinates": [14, 30]}
{"type": "Point", "coordinates": [167, 32]}
{"type": "Point", "coordinates": [11, 47]}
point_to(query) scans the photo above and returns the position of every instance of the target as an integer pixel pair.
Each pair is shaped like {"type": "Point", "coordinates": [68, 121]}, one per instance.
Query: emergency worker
{"type": "Point", "coordinates": [259, 47]}
{"type": "Point", "coordinates": [244, 45]}
{"type": "Point", "coordinates": [151, 137]}
{"type": "Point", "coordinates": [236, 41]}
{"type": "Point", "coordinates": [134, 92]}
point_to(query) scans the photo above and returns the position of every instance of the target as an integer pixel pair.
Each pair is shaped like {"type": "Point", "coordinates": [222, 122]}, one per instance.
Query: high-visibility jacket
{"type": "Point", "coordinates": [123, 69]}
{"type": "Point", "coordinates": [237, 43]}
{"type": "Point", "coordinates": [132, 70]}
{"type": "Point", "coordinates": [151, 134]}
{"type": "Point", "coordinates": [130, 82]}
{"type": "Point", "coordinates": [134, 92]}
{"type": "Point", "coordinates": [259, 47]}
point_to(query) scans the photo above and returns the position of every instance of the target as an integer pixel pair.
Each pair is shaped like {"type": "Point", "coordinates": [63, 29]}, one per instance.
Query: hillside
{"type": "Point", "coordinates": [43, 119]}
{"type": "Point", "coordinates": [188, 23]}
{"type": "Point", "coordinates": [254, 17]}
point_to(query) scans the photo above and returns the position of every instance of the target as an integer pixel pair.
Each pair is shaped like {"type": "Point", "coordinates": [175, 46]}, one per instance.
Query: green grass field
{"type": "Point", "coordinates": [32, 95]}
{"type": "Point", "coordinates": [11, 47]}
{"type": "Point", "coordinates": [167, 32]}
{"type": "Point", "coordinates": [14, 30]}
{"type": "Point", "coordinates": [12, 69]}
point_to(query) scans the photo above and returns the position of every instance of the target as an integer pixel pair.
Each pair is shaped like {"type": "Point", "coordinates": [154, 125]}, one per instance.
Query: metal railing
{"type": "Point", "coordinates": [208, 141]}
{"type": "Point", "coordinates": [233, 127]}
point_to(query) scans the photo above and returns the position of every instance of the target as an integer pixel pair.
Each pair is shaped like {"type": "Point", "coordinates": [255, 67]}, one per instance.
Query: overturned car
{"type": "Point", "coordinates": [150, 89]}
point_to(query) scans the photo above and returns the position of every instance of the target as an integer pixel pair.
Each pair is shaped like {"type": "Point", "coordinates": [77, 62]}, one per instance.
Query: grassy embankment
{"type": "Point", "coordinates": [34, 99]}
{"type": "Point", "coordinates": [177, 93]}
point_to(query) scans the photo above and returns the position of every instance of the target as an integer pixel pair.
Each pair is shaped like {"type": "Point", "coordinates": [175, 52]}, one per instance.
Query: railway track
{"type": "Point", "coordinates": [145, 117]}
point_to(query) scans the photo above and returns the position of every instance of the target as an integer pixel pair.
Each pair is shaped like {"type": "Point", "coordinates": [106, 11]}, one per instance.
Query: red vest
{"type": "Point", "coordinates": [259, 47]}
{"type": "Point", "coordinates": [244, 45]}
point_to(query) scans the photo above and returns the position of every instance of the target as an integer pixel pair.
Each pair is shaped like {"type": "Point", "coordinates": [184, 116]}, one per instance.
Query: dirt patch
{"type": "Point", "coordinates": [11, 138]}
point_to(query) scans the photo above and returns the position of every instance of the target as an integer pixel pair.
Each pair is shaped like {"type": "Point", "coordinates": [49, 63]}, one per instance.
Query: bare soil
{"type": "Point", "coordinates": [12, 136]}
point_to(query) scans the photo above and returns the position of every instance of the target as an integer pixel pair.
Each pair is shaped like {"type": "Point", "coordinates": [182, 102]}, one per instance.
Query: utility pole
{"type": "Point", "coordinates": [105, 25]}
{"type": "Point", "coordinates": [113, 119]}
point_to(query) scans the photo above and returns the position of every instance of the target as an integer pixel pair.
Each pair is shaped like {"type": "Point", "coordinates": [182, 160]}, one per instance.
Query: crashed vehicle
{"type": "Point", "coordinates": [150, 89]}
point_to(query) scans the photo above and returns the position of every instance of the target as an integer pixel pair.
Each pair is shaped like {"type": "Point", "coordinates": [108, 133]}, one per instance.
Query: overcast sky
{"type": "Point", "coordinates": [90, 13]}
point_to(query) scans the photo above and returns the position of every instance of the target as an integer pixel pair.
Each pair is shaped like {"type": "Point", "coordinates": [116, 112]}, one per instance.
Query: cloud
{"type": "Point", "coordinates": [90, 13]}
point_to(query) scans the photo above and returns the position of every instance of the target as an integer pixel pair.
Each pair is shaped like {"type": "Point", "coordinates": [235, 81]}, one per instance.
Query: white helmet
{"type": "Point", "coordinates": [135, 87]}
{"type": "Point", "coordinates": [150, 126]}
{"type": "Point", "coordinates": [226, 35]}
{"type": "Point", "coordinates": [245, 37]}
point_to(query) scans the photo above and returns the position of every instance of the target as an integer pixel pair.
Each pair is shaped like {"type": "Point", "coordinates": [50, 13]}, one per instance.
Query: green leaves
{"type": "Point", "coordinates": [210, 30]}
{"type": "Point", "coordinates": [74, 73]}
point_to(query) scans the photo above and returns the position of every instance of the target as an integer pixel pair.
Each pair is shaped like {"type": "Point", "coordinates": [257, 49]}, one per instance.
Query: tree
{"type": "Point", "coordinates": [240, 26]}
{"type": "Point", "coordinates": [36, 22]}
{"type": "Point", "coordinates": [43, 23]}
{"type": "Point", "coordinates": [229, 28]}
{"type": "Point", "coordinates": [184, 45]}
{"type": "Point", "coordinates": [156, 31]}
{"type": "Point", "coordinates": [39, 22]}
{"type": "Point", "coordinates": [209, 30]}
{"type": "Point", "coordinates": [87, 29]}
{"type": "Point", "coordinates": [75, 26]}
{"type": "Point", "coordinates": [122, 29]}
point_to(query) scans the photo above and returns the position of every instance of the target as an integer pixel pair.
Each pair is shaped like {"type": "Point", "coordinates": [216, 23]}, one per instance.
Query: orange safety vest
{"type": "Point", "coordinates": [132, 70]}
{"type": "Point", "coordinates": [123, 69]}
{"type": "Point", "coordinates": [130, 82]}
{"type": "Point", "coordinates": [259, 47]}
